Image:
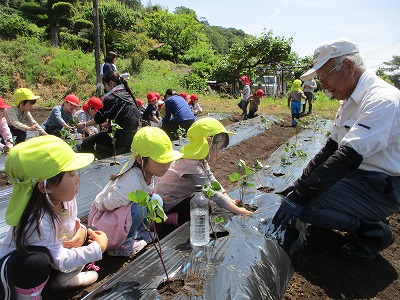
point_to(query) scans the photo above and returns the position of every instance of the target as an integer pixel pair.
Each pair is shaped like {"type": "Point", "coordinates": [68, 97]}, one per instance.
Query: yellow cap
{"type": "Point", "coordinates": [198, 133]}
{"type": "Point", "coordinates": [296, 85]}
{"type": "Point", "coordinates": [22, 94]}
{"type": "Point", "coordinates": [154, 143]}
{"type": "Point", "coordinates": [35, 160]}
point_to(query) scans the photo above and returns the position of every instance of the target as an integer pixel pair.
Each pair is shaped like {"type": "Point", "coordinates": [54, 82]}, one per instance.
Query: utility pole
{"type": "Point", "coordinates": [97, 44]}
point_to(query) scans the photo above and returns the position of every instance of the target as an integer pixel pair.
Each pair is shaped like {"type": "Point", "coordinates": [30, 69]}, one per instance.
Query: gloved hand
{"type": "Point", "coordinates": [287, 213]}
{"type": "Point", "coordinates": [286, 191]}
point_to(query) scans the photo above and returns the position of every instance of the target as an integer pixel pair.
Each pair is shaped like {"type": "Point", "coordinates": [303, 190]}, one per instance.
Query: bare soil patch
{"type": "Point", "coordinates": [321, 272]}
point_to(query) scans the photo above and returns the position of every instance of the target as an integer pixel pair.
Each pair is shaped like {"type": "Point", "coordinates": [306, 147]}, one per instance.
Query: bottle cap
{"type": "Point", "coordinates": [198, 188]}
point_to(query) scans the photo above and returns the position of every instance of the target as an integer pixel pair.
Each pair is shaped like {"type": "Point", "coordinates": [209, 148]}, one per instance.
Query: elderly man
{"type": "Point", "coordinates": [353, 183]}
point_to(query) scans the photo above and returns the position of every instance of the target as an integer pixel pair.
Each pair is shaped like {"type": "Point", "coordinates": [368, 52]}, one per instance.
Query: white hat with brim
{"type": "Point", "coordinates": [326, 51]}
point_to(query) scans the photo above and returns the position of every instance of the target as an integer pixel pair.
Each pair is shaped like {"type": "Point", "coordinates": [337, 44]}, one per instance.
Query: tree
{"type": "Point", "coordinates": [177, 32]}
{"type": "Point", "coordinates": [267, 51]}
{"type": "Point", "coordinates": [393, 70]}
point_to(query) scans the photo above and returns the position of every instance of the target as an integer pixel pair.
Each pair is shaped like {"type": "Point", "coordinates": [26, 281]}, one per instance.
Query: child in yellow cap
{"type": "Point", "coordinates": [295, 98]}
{"type": "Point", "coordinates": [207, 138]}
{"type": "Point", "coordinates": [19, 118]}
{"type": "Point", "coordinates": [113, 212]}
{"type": "Point", "coordinates": [44, 173]}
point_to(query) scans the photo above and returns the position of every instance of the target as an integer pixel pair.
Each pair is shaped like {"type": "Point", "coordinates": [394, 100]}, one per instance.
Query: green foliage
{"type": "Point", "coordinates": [222, 39]}
{"type": "Point", "coordinates": [200, 52]}
{"type": "Point", "coordinates": [13, 25]}
{"type": "Point", "coordinates": [202, 69]}
{"type": "Point", "coordinates": [135, 46]}
{"type": "Point", "coordinates": [193, 82]}
{"type": "Point", "coordinates": [209, 190]}
{"type": "Point", "coordinates": [114, 128]}
{"type": "Point", "coordinates": [68, 137]}
{"type": "Point", "coordinates": [155, 211]}
{"type": "Point", "coordinates": [242, 177]}
{"type": "Point", "coordinates": [37, 63]}
{"type": "Point", "coordinates": [158, 76]}
{"type": "Point", "coordinates": [181, 133]}
{"type": "Point", "coordinates": [178, 32]}
{"type": "Point", "coordinates": [266, 50]}
{"type": "Point", "coordinates": [391, 73]}
{"type": "Point", "coordinates": [74, 42]}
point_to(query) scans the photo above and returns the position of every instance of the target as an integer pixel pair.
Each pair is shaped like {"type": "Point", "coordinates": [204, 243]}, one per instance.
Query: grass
{"type": "Point", "coordinates": [323, 106]}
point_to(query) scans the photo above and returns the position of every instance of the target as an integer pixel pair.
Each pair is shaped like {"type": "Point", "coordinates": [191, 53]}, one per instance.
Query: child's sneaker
{"type": "Point", "coordinates": [128, 248]}
{"type": "Point", "coordinates": [148, 236]}
{"type": "Point", "coordinates": [79, 280]}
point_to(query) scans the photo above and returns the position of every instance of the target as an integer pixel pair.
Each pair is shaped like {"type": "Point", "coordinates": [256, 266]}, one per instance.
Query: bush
{"type": "Point", "coordinates": [74, 42]}
{"type": "Point", "coordinates": [193, 82]}
{"type": "Point", "coordinates": [12, 25]}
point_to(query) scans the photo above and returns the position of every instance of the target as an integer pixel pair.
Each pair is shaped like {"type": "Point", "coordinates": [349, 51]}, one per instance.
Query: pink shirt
{"type": "Point", "coordinates": [6, 133]}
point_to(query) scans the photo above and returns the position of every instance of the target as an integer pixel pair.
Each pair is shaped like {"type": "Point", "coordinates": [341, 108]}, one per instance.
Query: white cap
{"type": "Point", "coordinates": [326, 51]}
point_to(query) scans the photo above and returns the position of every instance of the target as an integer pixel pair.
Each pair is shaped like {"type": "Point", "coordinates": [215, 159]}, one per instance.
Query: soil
{"type": "Point", "coordinates": [321, 272]}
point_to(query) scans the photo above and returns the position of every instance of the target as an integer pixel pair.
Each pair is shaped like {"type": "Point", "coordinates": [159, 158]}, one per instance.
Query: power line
{"type": "Point", "coordinates": [370, 33]}
{"type": "Point", "coordinates": [391, 43]}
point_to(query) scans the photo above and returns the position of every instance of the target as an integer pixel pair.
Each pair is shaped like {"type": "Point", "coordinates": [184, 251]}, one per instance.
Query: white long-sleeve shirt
{"type": "Point", "coordinates": [115, 193]}
{"type": "Point", "coordinates": [63, 258]}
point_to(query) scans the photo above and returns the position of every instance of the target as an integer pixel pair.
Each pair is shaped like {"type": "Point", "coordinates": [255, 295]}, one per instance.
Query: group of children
{"type": "Point", "coordinates": [17, 121]}
{"type": "Point", "coordinates": [38, 252]}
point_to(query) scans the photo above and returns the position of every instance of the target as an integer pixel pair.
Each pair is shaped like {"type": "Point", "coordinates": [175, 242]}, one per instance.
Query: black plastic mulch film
{"type": "Point", "coordinates": [245, 264]}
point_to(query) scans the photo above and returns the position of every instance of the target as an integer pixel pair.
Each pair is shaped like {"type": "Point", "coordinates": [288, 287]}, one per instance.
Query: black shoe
{"type": "Point", "coordinates": [368, 243]}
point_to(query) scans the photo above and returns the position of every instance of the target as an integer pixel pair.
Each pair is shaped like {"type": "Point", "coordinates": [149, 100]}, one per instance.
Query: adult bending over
{"type": "Point", "coordinates": [353, 183]}
{"type": "Point", "coordinates": [119, 105]}
{"type": "Point", "coordinates": [177, 114]}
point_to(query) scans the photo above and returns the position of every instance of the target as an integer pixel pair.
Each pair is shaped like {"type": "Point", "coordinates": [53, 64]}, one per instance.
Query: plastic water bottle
{"type": "Point", "coordinates": [67, 229]}
{"type": "Point", "coordinates": [199, 219]}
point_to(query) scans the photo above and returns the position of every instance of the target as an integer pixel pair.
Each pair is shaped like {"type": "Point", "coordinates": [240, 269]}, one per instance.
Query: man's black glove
{"type": "Point", "coordinates": [287, 213]}
{"type": "Point", "coordinates": [286, 191]}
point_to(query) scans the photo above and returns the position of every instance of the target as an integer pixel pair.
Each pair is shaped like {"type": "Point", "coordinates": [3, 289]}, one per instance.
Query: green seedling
{"type": "Point", "coordinates": [114, 128]}
{"type": "Point", "coordinates": [155, 213]}
{"type": "Point", "coordinates": [242, 177]}
{"type": "Point", "coordinates": [68, 137]}
{"type": "Point", "coordinates": [182, 134]}
{"type": "Point", "coordinates": [209, 190]}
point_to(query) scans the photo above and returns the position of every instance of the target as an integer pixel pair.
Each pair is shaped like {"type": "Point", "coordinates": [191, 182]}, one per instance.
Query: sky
{"type": "Point", "coordinates": [373, 25]}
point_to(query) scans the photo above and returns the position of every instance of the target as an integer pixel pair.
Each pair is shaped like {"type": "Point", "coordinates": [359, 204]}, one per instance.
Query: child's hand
{"type": "Point", "coordinates": [78, 239]}
{"type": "Point", "coordinates": [99, 237]}
{"type": "Point", "coordinates": [244, 212]}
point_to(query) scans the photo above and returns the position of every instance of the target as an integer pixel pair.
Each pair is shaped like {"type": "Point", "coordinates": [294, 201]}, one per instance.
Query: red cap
{"type": "Point", "coordinates": [139, 102]}
{"type": "Point", "coordinates": [94, 102]}
{"type": "Point", "coordinates": [71, 98]}
{"type": "Point", "coordinates": [151, 96]}
{"type": "Point", "coordinates": [193, 97]}
{"type": "Point", "coordinates": [184, 95]}
{"type": "Point", "coordinates": [3, 104]}
{"type": "Point", "coordinates": [245, 79]}
{"type": "Point", "coordinates": [260, 93]}
{"type": "Point", "coordinates": [158, 96]}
